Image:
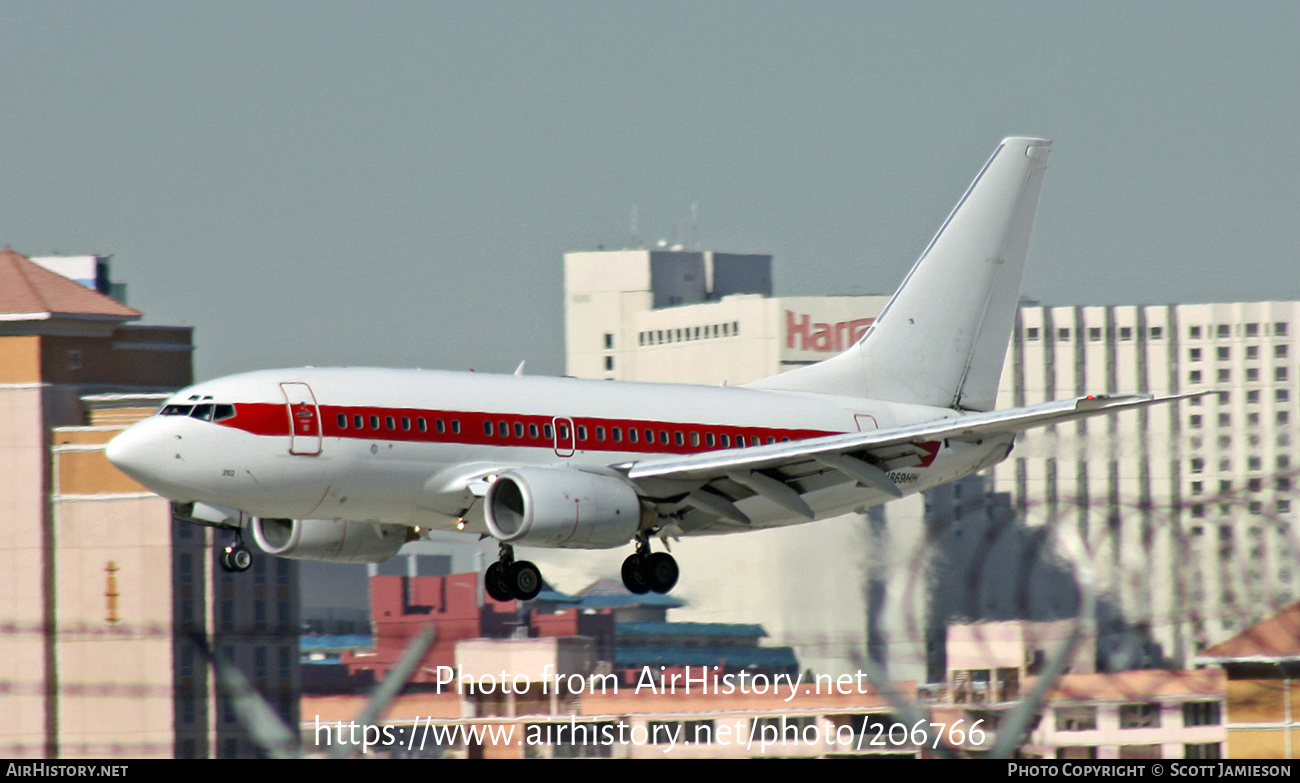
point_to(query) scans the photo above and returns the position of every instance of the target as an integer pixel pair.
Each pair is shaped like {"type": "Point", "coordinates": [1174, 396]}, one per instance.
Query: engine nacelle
{"type": "Point", "coordinates": [331, 540]}
{"type": "Point", "coordinates": [562, 507]}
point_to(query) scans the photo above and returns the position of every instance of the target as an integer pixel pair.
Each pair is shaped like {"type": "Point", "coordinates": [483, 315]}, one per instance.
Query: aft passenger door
{"type": "Point", "coordinates": [304, 419]}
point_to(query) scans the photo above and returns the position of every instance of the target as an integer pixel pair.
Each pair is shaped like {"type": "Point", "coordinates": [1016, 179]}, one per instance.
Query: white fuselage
{"type": "Point", "coordinates": [406, 446]}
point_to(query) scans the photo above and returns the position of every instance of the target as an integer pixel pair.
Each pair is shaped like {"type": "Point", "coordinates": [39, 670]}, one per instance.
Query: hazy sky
{"type": "Point", "coordinates": [394, 183]}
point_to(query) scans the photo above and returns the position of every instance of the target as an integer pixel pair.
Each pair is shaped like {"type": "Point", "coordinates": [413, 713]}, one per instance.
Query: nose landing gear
{"type": "Point", "coordinates": [508, 578]}
{"type": "Point", "coordinates": [644, 572]}
{"type": "Point", "coordinates": [235, 557]}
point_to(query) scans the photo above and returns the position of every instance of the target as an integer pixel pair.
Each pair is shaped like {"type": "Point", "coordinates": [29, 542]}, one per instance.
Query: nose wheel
{"type": "Point", "coordinates": [235, 557]}
{"type": "Point", "coordinates": [646, 572]}
{"type": "Point", "coordinates": [508, 578]}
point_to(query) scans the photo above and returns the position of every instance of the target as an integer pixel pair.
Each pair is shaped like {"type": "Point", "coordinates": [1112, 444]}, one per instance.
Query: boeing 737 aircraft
{"type": "Point", "coordinates": [347, 465]}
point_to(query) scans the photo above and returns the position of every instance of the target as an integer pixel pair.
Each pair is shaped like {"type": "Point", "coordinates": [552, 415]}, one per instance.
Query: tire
{"type": "Point", "coordinates": [495, 584]}
{"type": "Point", "coordinates": [633, 577]}
{"type": "Point", "coordinates": [240, 559]}
{"type": "Point", "coordinates": [524, 580]}
{"type": "Point", "coordinates": [660, 572]}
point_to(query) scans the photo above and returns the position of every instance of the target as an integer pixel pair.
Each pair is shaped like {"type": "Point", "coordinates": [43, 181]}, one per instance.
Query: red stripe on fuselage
{"type": "Point", "coordinates": [270, 419]}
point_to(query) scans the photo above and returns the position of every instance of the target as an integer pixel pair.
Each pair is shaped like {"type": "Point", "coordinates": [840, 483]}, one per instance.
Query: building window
{"type": "Point", "coordinates": [1094, 334]}
{"type": "Point", "coordinates": [609, 340]}
{"type": "Point", "coordinates": [1224, 331]}
{"type": "Point", "coordinates": [1279, 351]}
{"type": "Point", "coordinates": [1201, 713]}
{"type": "Point", "coordinates": [1139, 716]}
{"type": "Point", "coordinates": [1126, 333]}
{"type": "Point", "coordinates": [1279, 329]}
{"type": "Point", "coordinates": [1139, 751]}
{"type": "Point", "coordinates": [1194, 332]}
{"type": "Point", "coordinates": [1224, 376]}
{"type": "Point", "coordinates": [609, 363]}
{"type": "Point", "coordinates": [1279, 373]}
{"type": "Point", "coordinates": [1194, 376]}
{"type": "Point", "coordinates": [1031, 333]}
{"type": "Point", "coordinates": [1203, 750]}
{"type": "Point", "coordinates": [1063, 335]}
{"type": "Point", "coordinates": [1194, 354]}
{"type": "Point", "coordinates": [1076, 718]}
{"type": "Point", "coordinates": [1157, 332]}
{"type": "Point", "coordinates": [1195, 421]}
{"type": "Point", "coordinates": [1252, 352]}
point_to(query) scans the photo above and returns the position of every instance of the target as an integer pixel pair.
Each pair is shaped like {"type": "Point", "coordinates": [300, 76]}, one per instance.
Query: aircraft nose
{"type": "Point", "coordinates": [140, 453]}
{"type": "Point", "coordinates": [128, 452]}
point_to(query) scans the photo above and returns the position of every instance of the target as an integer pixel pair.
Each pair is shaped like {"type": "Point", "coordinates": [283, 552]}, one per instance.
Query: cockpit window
{"type": "Point", "coordinates": [205, 412]}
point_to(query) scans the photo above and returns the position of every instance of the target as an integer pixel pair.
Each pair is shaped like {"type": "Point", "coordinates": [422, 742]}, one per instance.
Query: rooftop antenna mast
{"type": "Point", "coordinates": [632, 228]}
{"type": "Point", "coordinates": [693, 228]}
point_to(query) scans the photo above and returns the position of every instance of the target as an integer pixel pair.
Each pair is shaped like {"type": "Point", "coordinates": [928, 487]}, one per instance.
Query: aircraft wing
{"type": "Point", "coordinates": [867, 457]}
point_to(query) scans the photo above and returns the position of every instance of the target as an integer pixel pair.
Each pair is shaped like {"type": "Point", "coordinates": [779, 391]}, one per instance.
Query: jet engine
{"type": "Point", "coordinates": [332, 540]}
{"type": "Point", "coordinates": [562, 507]}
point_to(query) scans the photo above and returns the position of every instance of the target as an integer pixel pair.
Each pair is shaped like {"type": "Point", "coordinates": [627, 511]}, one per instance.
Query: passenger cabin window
{"type": "Point", "coordinates": [503, 429]}
{"type": "Point", "coordinates": [582, 432]}
{"type": "Point", "coordinates": [600, 433]}
{"type": "Point", "coordinates": [343, 421]}
{"type": "Point", "coordinates": [406, 422]}
{"type": "Point", "coordinates": [422, 424]}
{"type": "Point", "coordinates": [455, 426]}
{"type": "Point", "coordinates": [547, 431]}
{"type": "Point", "coordinates": [374, 422]}
{"type": "Point", "coordinates": [519, 429]}
{"type": "Point", "coordinates": [440, 425]}
{"type": "Point", "coordinates": [391, 422]}
{"type": "Point", "coordinates": [532, 430]}
{"type": "Point", "coordinates": [487, 428]}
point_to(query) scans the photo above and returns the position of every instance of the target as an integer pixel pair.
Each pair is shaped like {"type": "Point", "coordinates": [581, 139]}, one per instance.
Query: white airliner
{"type": "Point", "coordinates": [348, 465]}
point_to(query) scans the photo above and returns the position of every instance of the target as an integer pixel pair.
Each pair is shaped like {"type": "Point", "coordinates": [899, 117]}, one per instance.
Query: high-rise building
{"type": "Point", "coordinates": [103, 587]}
{"type": "Point", "coordinates": [1184, 515]}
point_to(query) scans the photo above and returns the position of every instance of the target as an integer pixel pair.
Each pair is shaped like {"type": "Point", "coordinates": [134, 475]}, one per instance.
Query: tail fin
{"type": "Point", "coordinates": [943, 337]}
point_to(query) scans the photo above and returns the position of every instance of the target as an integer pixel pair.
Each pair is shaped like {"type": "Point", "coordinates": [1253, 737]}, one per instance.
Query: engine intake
{"type": "Point", "coordinates": [331, 540]}
{"type": "Point", "coordinates": [562, 508]}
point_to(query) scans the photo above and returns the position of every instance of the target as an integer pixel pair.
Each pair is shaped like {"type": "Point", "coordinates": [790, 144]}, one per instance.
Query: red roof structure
{"type": "Point", "coordinates": [27, 288]}
{"type": "Point", "coordinates": [1276, 637]}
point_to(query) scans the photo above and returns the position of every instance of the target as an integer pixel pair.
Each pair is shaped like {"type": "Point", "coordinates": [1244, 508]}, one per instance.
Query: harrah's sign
{"type": "Point", "coordinates": [803, 334]}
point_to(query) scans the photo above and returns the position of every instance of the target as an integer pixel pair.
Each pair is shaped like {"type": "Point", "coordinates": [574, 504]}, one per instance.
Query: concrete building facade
{"type": "Point", "coordinates": [1185, 514]}
{"type": "Point", "coordinates": [103, 587]}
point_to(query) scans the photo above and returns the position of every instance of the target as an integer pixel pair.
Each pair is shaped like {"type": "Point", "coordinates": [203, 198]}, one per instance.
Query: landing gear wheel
{"type": "Point", "coordinates": [524, 580]}
{"type": "Point", "coordinates": [495, 583]}
{"type": "Point", "coordinates": [236, 558]}
{"type": "Point", "coordinates": [633, 576]}
{"type": "Point", "coordinates": [659, 571]}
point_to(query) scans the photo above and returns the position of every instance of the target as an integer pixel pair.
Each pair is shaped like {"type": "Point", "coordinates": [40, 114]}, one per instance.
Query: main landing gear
{"type": "Point", "coordinates": [236, 557]}
{"type": "Point", "coordinates": [508, 578]}
{"type": "Point", "coordinates": [644, 572]}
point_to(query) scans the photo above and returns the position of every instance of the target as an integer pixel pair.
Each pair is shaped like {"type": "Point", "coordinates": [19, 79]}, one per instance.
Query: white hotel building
{"type": "Point", "coordinates": [1186, 512]}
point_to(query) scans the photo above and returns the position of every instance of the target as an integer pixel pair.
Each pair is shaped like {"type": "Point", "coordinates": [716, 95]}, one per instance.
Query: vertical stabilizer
{"type": "Point", "coordinates": [943, 336]}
